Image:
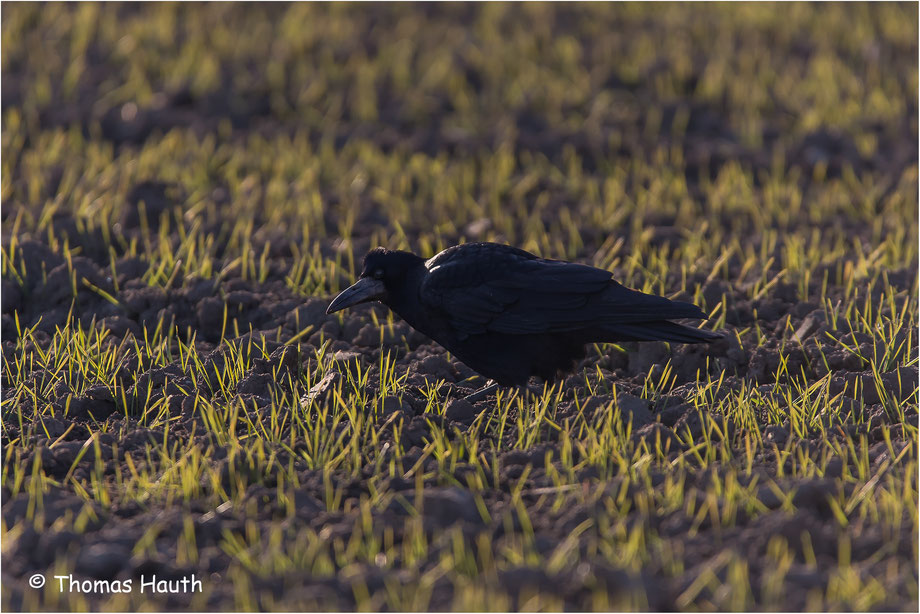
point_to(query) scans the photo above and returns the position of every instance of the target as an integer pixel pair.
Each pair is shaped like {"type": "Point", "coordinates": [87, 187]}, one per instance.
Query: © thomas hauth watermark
{"type": "Point", "coordinates": [146, 584]}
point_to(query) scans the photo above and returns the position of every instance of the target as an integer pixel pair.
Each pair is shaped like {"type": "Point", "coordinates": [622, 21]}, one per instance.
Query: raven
{"type": "Point", "coordinates": [509, 314]}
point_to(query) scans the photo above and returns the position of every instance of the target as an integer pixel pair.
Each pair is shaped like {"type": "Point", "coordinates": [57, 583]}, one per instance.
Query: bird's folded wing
{"type": "Point", "coordinates": [526, 296]}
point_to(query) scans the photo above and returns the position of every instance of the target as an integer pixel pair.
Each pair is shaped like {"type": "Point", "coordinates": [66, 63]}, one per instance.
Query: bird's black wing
{"type": "Point", "coordinates": [487, 287]}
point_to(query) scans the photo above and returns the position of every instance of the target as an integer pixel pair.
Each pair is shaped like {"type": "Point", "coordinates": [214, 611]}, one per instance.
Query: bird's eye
{"type": "Point", "coordinates": [378, 274]}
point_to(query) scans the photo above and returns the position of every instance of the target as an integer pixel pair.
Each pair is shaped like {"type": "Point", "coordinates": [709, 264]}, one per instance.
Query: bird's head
{"type": "Point", "coordinates": [384, 272]}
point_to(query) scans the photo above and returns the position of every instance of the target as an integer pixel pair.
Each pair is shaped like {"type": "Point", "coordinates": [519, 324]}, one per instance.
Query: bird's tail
{"type": "Point", "coordinates": [659, 330]}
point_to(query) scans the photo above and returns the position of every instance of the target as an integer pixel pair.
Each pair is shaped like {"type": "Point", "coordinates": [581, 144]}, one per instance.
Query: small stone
{"type": "Point", "coordinates": [306, 505]}
{"type": "Point", "coordinates": [461, 410]}
{"type": "Point", "coordinates": [119, 326]}
{"type": "Point", "coordinates": [436, 366]}
{"type": "Point", "coordinates": [368, 336]}
{"type": "Point", "coordinates": [635, 409]}
{"type": "Point", "coordinates": [321, 390]}
{"type": "Point", "coordinates": [345, 361]}
{"type": "Point", "coordinates": [776, 434]}
{"type": "Point", "coordinates": [66, 452]}
{"type": "Point", "coordinates": [515, 458]}
{"type": "Point", "coordinates": [519, 579]}
{"type": "Point", "coordinates": [392, 403]}
{"type": "Point", "coordinates": [646, 356]}
{"type": "Point", "coordinates": [657, 436]}
{"type": "Point", "coordinates": [54, 427]}
{"type": "Point", "coordinates": [311, 313]}
{"type": "Point", "coordinates": [102, 561]}
{"type": "Point", "coordinates": [285, 360]}
{"type": "Point", "coordinates": [714, 291]}
{"type": "Point", "coordinates": [450, 505]}
{"type": "Point", "coordinates": [477, 228]}
{"type": "Point", "coordinates": [11, 296]}
{"type": "Point", "coordinates": [810, 325]}
{"type": "Point", "coordinates": [210, 314]}
{"type": "Point", "coordinates": [255, 383]}
{"type": "Point", "coordinates": [52, 544]}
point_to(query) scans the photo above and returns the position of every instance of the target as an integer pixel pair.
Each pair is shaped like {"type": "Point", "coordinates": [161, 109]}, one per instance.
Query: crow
{"type": "Point", "coordinates": [510, 315]}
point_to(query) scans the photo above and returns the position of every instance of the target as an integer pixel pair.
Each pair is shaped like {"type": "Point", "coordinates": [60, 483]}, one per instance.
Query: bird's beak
{"type": "Point", "coordinates": [365, 289]}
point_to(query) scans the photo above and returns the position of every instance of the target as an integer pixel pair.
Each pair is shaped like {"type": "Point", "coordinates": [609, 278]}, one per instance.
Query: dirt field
{"type": "Point", "coordinates": [185, 187]}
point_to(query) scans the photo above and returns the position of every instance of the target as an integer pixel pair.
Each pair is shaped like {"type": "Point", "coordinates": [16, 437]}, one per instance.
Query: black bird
{"type": "Point", "coordinates": [509, 314]}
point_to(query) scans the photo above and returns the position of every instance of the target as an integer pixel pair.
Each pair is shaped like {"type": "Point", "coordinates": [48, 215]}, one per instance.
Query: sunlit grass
{"type": "Point", "coordinates": [574, 133]}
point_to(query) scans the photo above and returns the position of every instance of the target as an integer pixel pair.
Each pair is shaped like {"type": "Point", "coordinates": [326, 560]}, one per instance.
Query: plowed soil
{"type": "Point", "coordinates": [186, 187]}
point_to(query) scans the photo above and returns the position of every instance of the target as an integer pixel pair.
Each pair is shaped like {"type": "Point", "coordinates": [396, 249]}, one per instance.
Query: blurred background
{"type": "Point", "coordinates": [325, 129]}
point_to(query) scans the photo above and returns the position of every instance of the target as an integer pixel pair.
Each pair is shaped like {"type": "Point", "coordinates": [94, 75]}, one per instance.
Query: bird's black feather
{"type": "Point", "coordinates": [509, 291]}
{"type": "Point", "coordinates": [509, 314]}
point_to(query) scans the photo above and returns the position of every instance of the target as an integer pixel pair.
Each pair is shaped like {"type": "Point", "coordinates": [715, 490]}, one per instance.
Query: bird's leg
{"type": "Point", "coordinates": [490, 387]}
